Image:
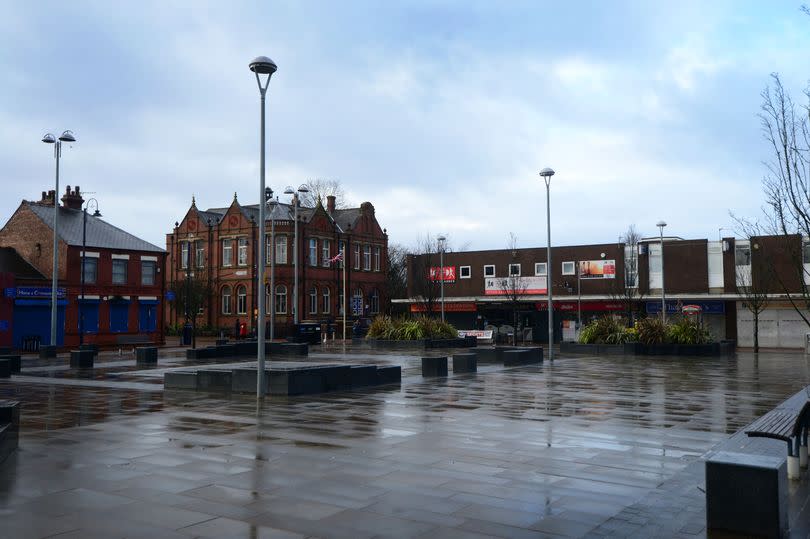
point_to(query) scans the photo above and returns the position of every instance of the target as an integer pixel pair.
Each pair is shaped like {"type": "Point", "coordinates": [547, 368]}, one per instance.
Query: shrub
{"type": "Point", "coordinates": [408, 329]}
{"type": "Point", "coordinates": [687, 331]}
{"type": "Point", "coordinates": [651, 330]}
{"type": "Point", "coordinates": [605, 330]}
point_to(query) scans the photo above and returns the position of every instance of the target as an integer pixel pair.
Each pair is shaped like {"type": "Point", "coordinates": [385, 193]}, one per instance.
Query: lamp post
{"type": "Point", "coordinates": [661, 225]}
{"type": "Point", "coordinates": [546, 174]}
{"type": "Point", "coordinates": [441, 240]}
{"type": "Point", "coordinates": [289, 191]}
{"type": "Point", "coordinates": [261, 66]}
{"type": "Point", "coordinates": [84, 266]}
{"type": "Point", "coordinates": [720, 233]}
{"type": "Point", "coordinates": [66, 136]}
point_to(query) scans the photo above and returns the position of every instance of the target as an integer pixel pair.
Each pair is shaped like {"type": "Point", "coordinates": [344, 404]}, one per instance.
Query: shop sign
{"type": "Point", "coordinates": [38, 292]}
{"type": "Point", "coordinates": [586, 306]}
{"type": "Point", "coordinates": [449, 307]}
{"type": "Point", "coordinates": [597, 269]}
{"type": "Point", "coordinates": [522, 286]}
{"type": "Point", "coordinates": [674, 306]}
{"type": "Point", "coordinates": [482, 334]}
{"type": "Point", "coordinates": [442, 273]}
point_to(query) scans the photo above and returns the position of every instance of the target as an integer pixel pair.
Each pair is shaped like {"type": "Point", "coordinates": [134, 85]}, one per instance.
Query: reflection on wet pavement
{"type": "Point", "coordinates": [549, 450]}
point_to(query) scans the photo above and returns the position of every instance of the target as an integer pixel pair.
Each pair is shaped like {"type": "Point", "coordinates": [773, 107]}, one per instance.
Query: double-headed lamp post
{"type": "Point", "coordinates": [263, 67]}
{"type": "Point", "coordinates": [661, 225]}
{"type": "Point", "coordinates": [546, 174]}
{"type": "Point", "coordinates": [84, 265]}
{"type": "Point", "coordinates": [441, 240]}
{"type": "Point", "coordinates": [66, 136]}
{"type": "Point", "coordinates": [296, 201]}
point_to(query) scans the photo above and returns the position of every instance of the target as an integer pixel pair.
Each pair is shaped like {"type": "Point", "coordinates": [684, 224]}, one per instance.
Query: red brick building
{"type": "Point", "coordinates": [123, 289]}
{"type": "Point", "coordinates": [218, 246]}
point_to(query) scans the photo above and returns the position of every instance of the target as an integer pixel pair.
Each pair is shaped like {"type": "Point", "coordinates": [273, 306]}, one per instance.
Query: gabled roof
{"type": "Point", "coordinates": [12, 262]}
{"type": "Point", "coordinates": [346, 218]}
{"type": "Point", "coordinates": [100, 234]}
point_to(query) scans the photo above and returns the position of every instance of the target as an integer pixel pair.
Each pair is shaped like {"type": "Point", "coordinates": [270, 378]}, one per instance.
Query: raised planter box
{"type": "Point", "coordinates": [363, 375]}
{"type": "Point", "coordinates": [214, 380]}
{"type": "Point", "coordinates": [15, 362]}
{"type": "Point", "coordinates": [421, 344]}
{"type": "Point", "coordinates": [82, 359]}
{"type": "Point", "coordinates": [184, 380]}
{"type": "Point", "coordinates": [389, 374]}
{"type": "Point", "coordinates": [500, 354]}
{"type": "Point", "coordinates": [637, 349]}
{"type": "Point", "coordinates": [296, 382]}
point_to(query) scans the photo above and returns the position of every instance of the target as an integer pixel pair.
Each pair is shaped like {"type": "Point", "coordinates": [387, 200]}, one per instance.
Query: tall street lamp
{"type": "Point", "coordinates": [84, 263]}
{"type": "Point", "coordinates": [66, 136]}
{"type": "Point", "coordinates": [263, 67]}
{"type": "Point", "coordinates": [546, 174]}
{"type": "Point", "coordinates": [661, 225]}
{"type": "Point", "coordinates": [296, 200]}
{"type": "Point", "coordinates": [441, 239]}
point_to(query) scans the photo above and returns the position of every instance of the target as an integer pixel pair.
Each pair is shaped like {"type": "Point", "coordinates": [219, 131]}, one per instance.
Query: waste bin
{"type": "Point", "coordinates": [187, 335]}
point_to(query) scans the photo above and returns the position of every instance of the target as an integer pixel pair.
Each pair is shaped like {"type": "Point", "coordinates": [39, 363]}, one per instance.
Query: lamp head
{"type": "Point", "coordinates": [661, 224]}
{"type": "Point", "coordinates": [263, 65]}
{"type": "Point", "coordinates": [48, 138]}
{"type": "Point", "coordinates": [289, 191]}
{"type": "Point", "coordinates": [547, 172]}
{"type": "Point", "coordinates": [268, 194]}
{"type": "Point", "coordinates": [303, 188]}
{"type": "Point", "coordinates": [441, 238]}
{"type": "Point", "coordinates": [96, 213]}
{"type": "Point", "coordinates": [67, 136]}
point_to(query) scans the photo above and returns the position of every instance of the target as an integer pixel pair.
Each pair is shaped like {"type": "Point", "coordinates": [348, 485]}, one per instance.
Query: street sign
{"type": "Point", "coordinates": [170, 296]}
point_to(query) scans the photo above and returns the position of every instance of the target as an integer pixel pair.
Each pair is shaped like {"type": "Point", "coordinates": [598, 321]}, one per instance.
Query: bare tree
{"type": "Point", "coordinates": [513, 286]}
{"type": "Point", "coordinates": [752, 279]}
{"type": "Point", "coordinates": [626, 290]}
{"type": "Point", "coordinates": [319, 189]}
{"type": "Point", "coordinates": [424, 274]}
{"type": "Point", "coordinates": [191, 297]}
{"type": "Point", "coordinates": [397, 273]}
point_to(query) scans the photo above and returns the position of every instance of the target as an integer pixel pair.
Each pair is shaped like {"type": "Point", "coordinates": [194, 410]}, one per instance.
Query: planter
{"type": "Point", "coordinates": [638, 349]}
{"type": "Point", "coordinates": [421, 344]}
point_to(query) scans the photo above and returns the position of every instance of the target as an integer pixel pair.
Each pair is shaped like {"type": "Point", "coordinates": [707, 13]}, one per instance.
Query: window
{"type": "Point", "coordinates": [199, 251]}
{"type": "Point", "coordinates": [540, 268]}
{"type": "Point", "coordinates": [281, 249]}
{"type": "Point", "coordinates": [325, 253]}
{"type": "Point", "coordinates": [119, 271]}
{"type": "Point", "coordinates": [342, 249]}
{"type": "Point", "coordinates": [313, 300]}
{"type": "Point", "coordinates": [241, 300]}
{"type": "Point", "coordinates": [464, 272]}
{"type": "Point", "coordinates": [268, 250]}
{"type": "Point", "coordinates": [806, 252]}
{"type": "Point", "coordinates": [313, 252]}
{"type": "Point", "coordinates": [377, 258]}
{"type": "Point", "coordinates": [357, 302]}
{"type": "Point", "coordinates": [227, 252]}
{"type": "Point", "coordinates": [375, 301]}
{"type": "Point", "coordinates": [367, 257]}
{"type": "Point", "coordinates": [326, 308]}
{"type": "Point", "coordinates": [568, 268]}
{"type": "Point", "coordinates": [226, 300]}
{"type": "Point", "coordinates": [268, 300]}
{"type": "Point", "coordinates": [489, 271]}
{"type": "Point", "coordinates": [281, 299]}
{"type": "Point", "coordinates": [242, 253]}
{"type": "Point", "coordinates": [90, 270]}
{"type": "Point", "coordinates": [742, 255]}
{"type": "Point", "coordinates": [357, 256]}
{"type": "Point", "coordinates": [514, 270]}
{"type": "Point", "coordinates": [184, 254]}
{"type": "Point", "coordinates": [148, 271]}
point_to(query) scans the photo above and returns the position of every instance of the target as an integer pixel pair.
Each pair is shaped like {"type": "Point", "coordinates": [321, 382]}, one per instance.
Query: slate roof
{"type": "Point", "coordinates": [12, 262]}
{"type": "Point", "coordinates": [100, 234]}
{"type": "Point", "coordinates": [345, 218]}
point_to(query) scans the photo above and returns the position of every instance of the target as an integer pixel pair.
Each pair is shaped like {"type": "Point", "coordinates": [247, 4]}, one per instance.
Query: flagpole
{"type": "Point", "coordinates": [343, 255]}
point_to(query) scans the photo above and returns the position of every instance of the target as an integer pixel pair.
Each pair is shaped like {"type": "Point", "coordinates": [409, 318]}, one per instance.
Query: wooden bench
{"type": "Point", "coordinates": [788, 424]}
{"type": "Point", "coordinates": [133, 340]}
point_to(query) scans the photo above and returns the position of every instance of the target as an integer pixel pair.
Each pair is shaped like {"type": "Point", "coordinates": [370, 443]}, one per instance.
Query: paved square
{"type": "Point", "coordinates": [582, 447]}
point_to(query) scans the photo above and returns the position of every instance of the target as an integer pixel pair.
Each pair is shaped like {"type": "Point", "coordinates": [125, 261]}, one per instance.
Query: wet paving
{"type": "Point", "coordinates": [582, 447]}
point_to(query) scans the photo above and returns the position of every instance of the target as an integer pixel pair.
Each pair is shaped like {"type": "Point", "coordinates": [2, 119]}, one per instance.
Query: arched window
{"type": "Point", "coordinates": [313, 300]}
{"type": "Point", "coordinates": [241, 299]}
{"type": "Point", "coordinates": [326, 308]}
{"type": "Point", "coordinates": [375, 301]}
{"type": "Point", "coordinates": [226, 300]}
{"type": "Point", "coordinates": [281, 299]}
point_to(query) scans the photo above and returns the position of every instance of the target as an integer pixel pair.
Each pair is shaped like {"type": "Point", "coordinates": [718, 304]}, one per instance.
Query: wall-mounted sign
{"type": "Point", "coordinates": [522, 286]}
{"type": "Point", "coordinates": [573, 306]}
{"type": "Point", "coordinates": [597, 269]}
{"type": "Point", "coordinates": [446, 273]}
{"type": "Point", "coordinates": [38, 292]}
{"type": "Point", "coordinates": [674, 306]}
{"type": "Point", "coordinates": [449, 307]}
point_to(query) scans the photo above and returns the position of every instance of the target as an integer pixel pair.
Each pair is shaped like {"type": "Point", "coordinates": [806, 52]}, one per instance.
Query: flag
{"type": "Point", "coordinates": [337, 258]}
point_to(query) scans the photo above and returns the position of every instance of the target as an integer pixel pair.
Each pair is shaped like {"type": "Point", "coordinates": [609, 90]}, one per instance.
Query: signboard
{"type": "Point", "coordinates": [442, 273]}
{"type": "Point", "coordinates": [449, 307]}
{"type": "Point", "coordinates": [481, 334]}
{"type": "Point", "coordinates": [170, 295]}
{"type": "Point", "coordinates": [674, 306]}
{"type": "Point", "coordinates": [571, 306]}
{"type": "Point", "coordinates": [357, 306]}
{"type": "Point", "coordinates": [38, 292]}
{"type": "Point", "coordinates": [597, 269]}
{"type": "Point", "coordinates": [9, 292]}
{"type": "Point", "coordinates": [524, 286]}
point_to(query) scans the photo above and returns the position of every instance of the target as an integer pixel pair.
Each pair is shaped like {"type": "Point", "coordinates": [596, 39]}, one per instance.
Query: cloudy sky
{"type": "Point", "coordinates": [440, 113]}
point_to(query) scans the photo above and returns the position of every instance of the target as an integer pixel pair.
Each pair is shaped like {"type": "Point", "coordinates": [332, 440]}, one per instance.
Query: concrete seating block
{"type": "Point", "coordinates": [93, 347]}
{"type": "Point", "coordinates": [81, 359]}
{"type": "Point", "coordinates": [337, 377]}
{"type": "Point", "coordinates": [5, 368]}
{"type": "Point", "coordinates": [146, 355]}
{"type": "Point", "coordinates": [296, 381]}
{"type": "Point", "coordinates": [226, 350]}
{"type": "Point", "coordinates": [220, 342]}
{"type": "Point", "coordinates": [465, 363]}
{"type": "Point", "coordinates": [487, 355]}
{"type": "Point", "coordinates": [747, 494]}
{"type": "Point", "coordinates": [518, 357]}
{"type": "Point", "coordinates": [288, 349]}
{"type": "Point", "coordinates": [389, 374]}
{"type": "Point", "coordinates": [434, 366]}
{"type": "Point", "coordinates": [363, 375]}
{"type": "Point", "coordinates": [244, 380]}
{"type": "Point", "coordinates": [9, 428]}
{"type": "Point", "coordinates": [16, 362]}
{"type": "Point", "coordinates": [5, 350]}
{"type": "Point", "coordinates": [46, 351]}
{"type": "Point", "coordinates": [214, 380]}
{"type": "Point", "coordinates": [181, 380]}
{"type": "Point", "coordinates": [246, 348]}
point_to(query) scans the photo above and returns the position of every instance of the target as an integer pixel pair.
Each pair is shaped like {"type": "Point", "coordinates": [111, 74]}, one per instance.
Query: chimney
{"type": "Point", "coordinates": [72, 199]}
{"type": "Point", "coordinates": [48, 198]}
{"type": "Point", "coordinates": [330, 204]}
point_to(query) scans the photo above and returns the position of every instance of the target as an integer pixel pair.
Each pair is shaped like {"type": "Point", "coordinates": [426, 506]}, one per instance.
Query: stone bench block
{"type": "Point", "coordinates": [46, 351]}
{"type": "Point", "coordinates": [220, 342]}
{"type": "Point", "coordinates": [209, 352]}
{"type": "Point", "coordinates": [9, 428]}
{"type": "Point", "coordinates": [244, 380]}
{"type": "Point", "coordinates": [465, 363]}
{"type": "Point", "coordinates": [181, 380]}
{"type": "Point", "coordinates": [296, 381]}
{"type": "Point", "coordinates": [336, 377]}
{"type": "Point", "coordinates": [434, 366]}
{"type": "Point", "coordinates": [214, 380]}
{"type": "Point", "coordinates": [389, 374]}
{"type": "Point", "coordinates": [363, 375]}
{"type": "Point", "coordinates": [288, 348]}
{"type": "Point", "coordinates": [5, 350]}
{"type": "Point", "coordinates": [82, 359]}
{"type": "Point", "coordinates": [519, 357]}
{"type": "Point", "coordinates": [747, 494]}
{"type": "Point", "coordinates": [487, 355]}
{"type": "Point", "coordinates": [226, 350]}
{"type": "Point", "coordinates": [146, 355]}
{"type": "Point", "coordinates": [16, 362]}
{"type": "Point", "coordinates": [246, 348]}
{"type": "Point", "coordinates": [5, 368]}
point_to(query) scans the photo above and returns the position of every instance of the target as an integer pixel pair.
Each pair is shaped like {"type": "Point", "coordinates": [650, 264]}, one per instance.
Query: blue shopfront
{"type": "Point", "coordinates": [32, 315]}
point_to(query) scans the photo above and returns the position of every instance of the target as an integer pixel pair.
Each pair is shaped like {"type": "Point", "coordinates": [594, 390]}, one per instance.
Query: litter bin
{"type": "Point", "coordinates": [187, 335]}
